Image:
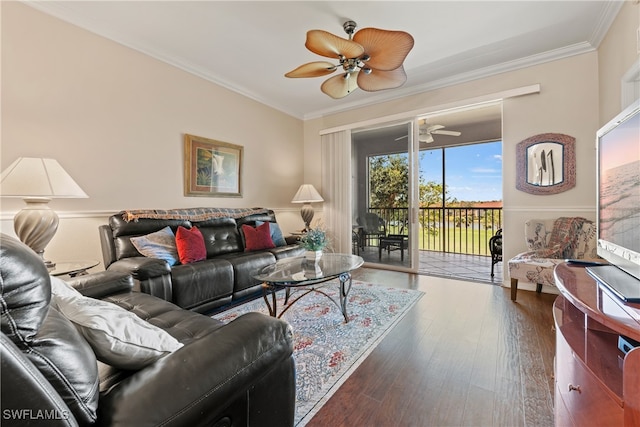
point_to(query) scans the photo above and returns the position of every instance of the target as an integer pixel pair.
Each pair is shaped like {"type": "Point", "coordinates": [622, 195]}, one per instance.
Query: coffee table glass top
{"type": "Point", "coordinates": [299, 270]}
{"type": "Point", "coordinates": [72, 268]}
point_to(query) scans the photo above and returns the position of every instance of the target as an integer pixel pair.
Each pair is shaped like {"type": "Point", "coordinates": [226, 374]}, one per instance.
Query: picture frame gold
{"type": "Point", "coordinates": [212, 168]}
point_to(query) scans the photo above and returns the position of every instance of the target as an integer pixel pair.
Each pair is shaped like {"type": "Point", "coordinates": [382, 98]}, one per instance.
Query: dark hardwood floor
{"type": "Point", "coordinates": [465, 355]}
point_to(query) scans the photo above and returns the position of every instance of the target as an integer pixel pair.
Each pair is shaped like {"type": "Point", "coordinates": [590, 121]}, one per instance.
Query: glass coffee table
{"type": "Point", "coordinates": [300, 274]}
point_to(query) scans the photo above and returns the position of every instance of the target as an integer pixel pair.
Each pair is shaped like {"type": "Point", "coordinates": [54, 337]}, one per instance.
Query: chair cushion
{"type": "Point", "coordinates": [530, 268]}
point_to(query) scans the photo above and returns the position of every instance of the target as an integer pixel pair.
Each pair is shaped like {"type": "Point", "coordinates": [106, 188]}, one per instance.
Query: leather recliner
{"type": "Point", "coordinates": [236, 374]}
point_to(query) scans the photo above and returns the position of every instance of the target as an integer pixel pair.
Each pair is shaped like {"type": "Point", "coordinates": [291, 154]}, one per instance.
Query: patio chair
{"type": "Point", "coordinates": [371, 225]}
{"type": "Point", "coordinates": [495, 247]}
{"type": "Point", "coordinates": [550, 242]}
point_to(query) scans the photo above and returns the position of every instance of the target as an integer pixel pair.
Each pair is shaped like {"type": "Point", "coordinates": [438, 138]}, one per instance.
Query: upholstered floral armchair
{"type": "Point", "coordinates": [550, 242]}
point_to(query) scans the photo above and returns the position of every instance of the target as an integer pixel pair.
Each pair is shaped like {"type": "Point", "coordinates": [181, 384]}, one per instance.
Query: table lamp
{"type": "Point", "coordinates": [307, 194]}
{"type": "Point", "coordinates": [37, 181]}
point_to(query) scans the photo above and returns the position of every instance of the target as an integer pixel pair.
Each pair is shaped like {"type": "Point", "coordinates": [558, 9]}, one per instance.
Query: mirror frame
{"type": "Point", "coordinates": [568, 163]}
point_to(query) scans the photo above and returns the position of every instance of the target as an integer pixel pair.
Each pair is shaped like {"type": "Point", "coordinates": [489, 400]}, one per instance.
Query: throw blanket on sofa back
{"type": "Point", "coordinates": [191, 214]}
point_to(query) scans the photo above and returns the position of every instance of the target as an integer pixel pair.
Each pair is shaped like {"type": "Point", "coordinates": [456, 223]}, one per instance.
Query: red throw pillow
{"type": "Point", "coordinates": [257, 238]}
{"type": "Point", "coordinates": [190, 244]}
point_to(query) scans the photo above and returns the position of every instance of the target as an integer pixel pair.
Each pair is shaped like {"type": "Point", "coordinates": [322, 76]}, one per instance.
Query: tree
{"type": "Point", "coordinates": [389, 188]}
{"type": "Point", "coordinates": [388, 181]}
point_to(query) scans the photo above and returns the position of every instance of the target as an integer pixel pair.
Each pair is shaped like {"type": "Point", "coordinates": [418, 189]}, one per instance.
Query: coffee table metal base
{"type": "Point", "coordinates": [268, 288]}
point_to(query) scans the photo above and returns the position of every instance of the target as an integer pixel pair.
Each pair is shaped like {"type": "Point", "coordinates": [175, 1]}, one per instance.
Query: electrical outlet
{"type": "Point", "coordinates": [638, 39]}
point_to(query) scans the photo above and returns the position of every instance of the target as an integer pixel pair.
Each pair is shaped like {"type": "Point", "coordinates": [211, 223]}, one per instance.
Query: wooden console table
{"type": "Point", "coordinates": [596, 383]}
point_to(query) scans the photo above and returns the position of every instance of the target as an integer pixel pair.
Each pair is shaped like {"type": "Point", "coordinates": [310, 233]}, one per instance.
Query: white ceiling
{"type": "Point", "coordinates": [248, 46]}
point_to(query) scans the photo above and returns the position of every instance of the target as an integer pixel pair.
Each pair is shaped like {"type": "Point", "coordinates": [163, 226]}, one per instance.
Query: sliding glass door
{"type": "Point", "coordinates": [428, 186]}
{"type": "Point", "coordinates": [382, 195]}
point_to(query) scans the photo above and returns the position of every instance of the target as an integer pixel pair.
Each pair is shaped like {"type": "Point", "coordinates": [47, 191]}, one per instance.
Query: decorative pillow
{"type": "Point", "coordinates": [276, 233]}
{"type": "Point", "coordinates": [117, 336]}
{"type": "Point", "coordinates": [257, 238]}
{"type": "Point", "coordinates": [60, 288]}
{"type": "Point", "coordinates": [161, 244]}
{"type": "Point", "coordinates": [190, 244]}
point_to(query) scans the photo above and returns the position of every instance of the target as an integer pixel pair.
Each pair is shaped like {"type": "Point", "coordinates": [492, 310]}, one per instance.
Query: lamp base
{"type": "Point", "coordinates": [306, 212]}
{"type": "Point", "coordinates": [35, 225]}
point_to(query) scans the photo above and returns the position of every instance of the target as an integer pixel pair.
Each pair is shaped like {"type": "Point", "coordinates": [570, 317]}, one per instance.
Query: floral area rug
{"type": "Point", "coordinates": [326, 349]}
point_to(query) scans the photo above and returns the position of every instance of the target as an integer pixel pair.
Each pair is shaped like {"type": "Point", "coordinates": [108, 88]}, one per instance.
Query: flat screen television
{"type": "Point", "coordinates": [618, 208]}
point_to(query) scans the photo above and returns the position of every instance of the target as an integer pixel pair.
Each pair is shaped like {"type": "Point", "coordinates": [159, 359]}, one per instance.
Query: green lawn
{"type": "Point", "coordinates": [458, 240]}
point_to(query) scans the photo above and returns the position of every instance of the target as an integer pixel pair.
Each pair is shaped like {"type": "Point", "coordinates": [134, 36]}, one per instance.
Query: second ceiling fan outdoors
{"type": "Point", "coordinates": [370, 59]}
{"type": "Point", "coordinates": [427, 131]}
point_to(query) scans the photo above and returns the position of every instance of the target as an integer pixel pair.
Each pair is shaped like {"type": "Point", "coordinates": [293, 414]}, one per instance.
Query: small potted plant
{"type": "Point", "coordinates": [314, 241]}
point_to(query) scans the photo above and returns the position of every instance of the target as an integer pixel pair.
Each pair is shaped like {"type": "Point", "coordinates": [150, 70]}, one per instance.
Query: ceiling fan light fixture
{"type": "Point", "coordinates": [384, 52]}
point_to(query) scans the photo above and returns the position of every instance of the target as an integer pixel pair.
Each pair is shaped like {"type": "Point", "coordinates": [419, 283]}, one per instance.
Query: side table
{"type": "Point", "coordinates": [393, 242]}
{"type": "Point", "coordinates": [72, 268]}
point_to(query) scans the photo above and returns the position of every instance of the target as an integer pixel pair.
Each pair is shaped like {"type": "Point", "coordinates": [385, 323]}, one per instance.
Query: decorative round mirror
{"type": "Point", "coordinates": [546, 164]}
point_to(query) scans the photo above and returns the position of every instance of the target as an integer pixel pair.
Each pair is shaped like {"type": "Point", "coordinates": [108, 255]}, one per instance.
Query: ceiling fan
{"type": "Point", "coordinates": [427, 131]}
{"type": "Point", "coordinates": [370, 59]}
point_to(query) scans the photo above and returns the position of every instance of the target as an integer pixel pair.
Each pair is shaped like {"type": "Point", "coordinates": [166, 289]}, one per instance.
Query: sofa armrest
{"type": "Point", "coordinates": [152, 274]}
{"type": "Point", "coordinates": [142, 268]}
{"type": "Point", "coordinates": [292, 240]}
{"type": "Point", "coordinates": [101, 284]}
{"type": "Point", "coordinates": [198, 383]}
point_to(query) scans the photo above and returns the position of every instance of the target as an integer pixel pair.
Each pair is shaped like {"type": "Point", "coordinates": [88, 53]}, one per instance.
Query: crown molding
{"type": "Point", "coordinates": [529, 61]}
{"type": "Point", "coordinates": [611, 9]}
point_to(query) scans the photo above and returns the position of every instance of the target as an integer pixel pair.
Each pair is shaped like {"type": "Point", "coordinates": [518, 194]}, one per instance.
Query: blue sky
{"type": "Point", "coordinates": [474, 172]}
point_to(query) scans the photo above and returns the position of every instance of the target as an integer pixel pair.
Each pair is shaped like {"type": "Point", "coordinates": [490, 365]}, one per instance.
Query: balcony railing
{"type": "Point", "coordinates": [452, 230]}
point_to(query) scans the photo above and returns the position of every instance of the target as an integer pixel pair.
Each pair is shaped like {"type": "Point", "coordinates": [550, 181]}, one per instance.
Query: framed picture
{"type": "Point", "coordinates": [546, 164]}
{"type": "Point", "coordinates": [212, 168]}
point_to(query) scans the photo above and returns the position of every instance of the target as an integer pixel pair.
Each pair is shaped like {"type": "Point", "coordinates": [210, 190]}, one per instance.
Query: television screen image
{"type": "Point", "coordinates": [618, 144]}
{"type": "Point", "coordinates": [620, 188]}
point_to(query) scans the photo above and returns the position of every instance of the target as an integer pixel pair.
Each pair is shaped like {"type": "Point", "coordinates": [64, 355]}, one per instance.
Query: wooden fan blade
{"type": "Point", "coordinates": [338, 87]}
{"type": "Point", "coordinates": [387, 49]}
{"type": "Point", "coordinates": [312, 69]}
{"type": "Point", "coordinates": [380, 80]}
{"type": "Point", "coordinates": [447, 132]}
{"type": "Point", "coordinates": [326, 44]}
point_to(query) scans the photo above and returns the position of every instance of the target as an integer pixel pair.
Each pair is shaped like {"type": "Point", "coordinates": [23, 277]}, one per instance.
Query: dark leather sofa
{"type": "Point", "coordinates": [224, 278]}
{"type": "Point", "coordinates": [238, 374]}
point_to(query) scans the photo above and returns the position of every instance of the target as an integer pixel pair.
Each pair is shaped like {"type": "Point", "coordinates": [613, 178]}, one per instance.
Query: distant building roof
{"type": "Point", "coordinates": [491, 204]}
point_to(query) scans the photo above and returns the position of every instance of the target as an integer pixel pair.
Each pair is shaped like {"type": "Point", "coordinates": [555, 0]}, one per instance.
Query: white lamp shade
{"type": "Point", "coordinates": [30, 177]}
{"type": "Point", "coordinates": [307, 194]}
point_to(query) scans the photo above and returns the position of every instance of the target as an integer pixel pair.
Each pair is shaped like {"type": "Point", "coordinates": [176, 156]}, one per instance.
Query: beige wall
{"type": "Point", "coordinates": [115, 120]}
{"type": "Point", "coordinates": [567, 103]}
{"type": "Point", "coordinates": [616, 55]}
{"type": "Point", "coordinates": [578, 95]}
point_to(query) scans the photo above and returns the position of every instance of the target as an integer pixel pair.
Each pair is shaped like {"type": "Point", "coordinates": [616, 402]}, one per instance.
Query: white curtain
{"type": "Point", "coordinates": [336, 188]}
